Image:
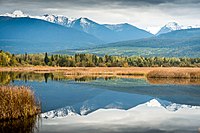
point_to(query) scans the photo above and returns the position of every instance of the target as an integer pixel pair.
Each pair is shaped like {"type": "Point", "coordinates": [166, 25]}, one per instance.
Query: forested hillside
{"type": "Point", "coordinates": [20, 35]}
{"type": "Point", "coordinates": [182, 43]}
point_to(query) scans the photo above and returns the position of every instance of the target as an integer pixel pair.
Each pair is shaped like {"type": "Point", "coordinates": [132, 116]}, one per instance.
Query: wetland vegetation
{"type": "Point", "coordinates": [17, 102]}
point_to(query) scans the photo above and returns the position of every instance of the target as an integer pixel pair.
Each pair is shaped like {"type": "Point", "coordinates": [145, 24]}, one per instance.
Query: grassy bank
{"type": "Point", "coordinates": [17, 102]}
{"type": "Point", "coordinates": [149, 72]}
{"type": "Point", "coordinates": [179, 73]}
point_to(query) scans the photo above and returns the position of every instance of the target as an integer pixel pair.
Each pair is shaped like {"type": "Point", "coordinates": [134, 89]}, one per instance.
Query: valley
{"type": "Point", "coordinates": [108, 66]}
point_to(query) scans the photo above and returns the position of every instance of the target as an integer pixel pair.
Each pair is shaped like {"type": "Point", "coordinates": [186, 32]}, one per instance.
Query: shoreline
{"type": "Point", "coordinates": [154, 75]}
{"type": "Point", "coordinates": [96, 70]}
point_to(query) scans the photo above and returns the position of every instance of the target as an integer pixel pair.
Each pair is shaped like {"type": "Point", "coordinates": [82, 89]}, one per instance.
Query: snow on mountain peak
{"type": "Point", "coordinates": [16, 13]}
{"type": "Point", "coordinates": [169, 105]}
{"type": "Point", "coordinates": [58, 19]}
{"type": "Point", "coordinates": [63, 112]}
{"type": "Point", "coordinates": [84, 110]}
{"type": "Point", "coordinates": [86, 23]}
{"type": "Point", "coordinates": [153, 103]}
{"type": "Point", "coordinates": [173, 26]}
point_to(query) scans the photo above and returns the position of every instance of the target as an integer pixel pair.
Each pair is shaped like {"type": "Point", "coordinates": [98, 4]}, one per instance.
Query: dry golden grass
{"type": "Point", "coordinates": [17, 102]}
{"type": "Point", "coordinates": [177, 73]}
{"type": "Point", "coordinates": [121, 72]}
{"type": "Point", "coordinates": [81, 70]}
{"type": "Point", "coordinates": [84, 70]}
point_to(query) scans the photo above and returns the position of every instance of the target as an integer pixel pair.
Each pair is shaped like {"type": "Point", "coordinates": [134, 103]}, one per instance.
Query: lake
{"type": "Point", "coordinates": [108, 104]}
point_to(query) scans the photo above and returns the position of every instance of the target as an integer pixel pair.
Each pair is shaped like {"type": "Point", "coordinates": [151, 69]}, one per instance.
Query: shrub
{"type": "Point", "coordinates": [17, 102]}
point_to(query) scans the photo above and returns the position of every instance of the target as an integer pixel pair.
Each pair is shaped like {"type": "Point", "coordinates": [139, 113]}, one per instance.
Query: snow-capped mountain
{"type": "Point", "coordinates": [58, 19]}
{"type": "Point", "coordinates": [66, 111]}
{"type": "Point", "coordinates": [106, 33]}
{"type": "Point", "coordinates": [15, 14]}
{"type": "Point", "coordinates": [85, 110]}
{"type": "Point", "coordinates": [171, 26]}
{"type": "Point", "coordinates": [63, 112]}
{"type": "Point", "coordinates": [85, 24]}
{"type": "Point", "coordinates": [169, 105]}
{"type": "Point", "coordinates": [93, 28]}
{"type": "Point", "coordinates": [62, 20]}
{"type": "Point", "coordinates": [81, 24]}
{"type": "Point", "coordinates": [36, 34]}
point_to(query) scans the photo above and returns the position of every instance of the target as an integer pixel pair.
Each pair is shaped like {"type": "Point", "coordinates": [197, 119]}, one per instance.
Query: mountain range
{"type": "Point", "coordinates": [20, 33]}
{"type": "Point", "coordinates": [180, 43]}
{"type": "Point", "coordinates": [173, 26]}
{"type": "Point", "coordinates": [63, 20]}
{"type": "Point", "coordinates": [101, 31]}
{"type": "Point", "coordinates": [24, 33]}
{"type": "Point", "coordinates": [86, 109]}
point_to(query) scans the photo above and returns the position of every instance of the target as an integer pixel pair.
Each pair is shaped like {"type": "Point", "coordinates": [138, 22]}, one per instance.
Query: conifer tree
{"type": "Point", "coordinates": [46, 59]}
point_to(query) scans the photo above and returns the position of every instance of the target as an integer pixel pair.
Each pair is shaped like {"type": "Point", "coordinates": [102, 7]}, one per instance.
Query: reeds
{"type": "Point", "coordinates": [17, 102]}
{"type": "Point", "coordinates": [186, 74]}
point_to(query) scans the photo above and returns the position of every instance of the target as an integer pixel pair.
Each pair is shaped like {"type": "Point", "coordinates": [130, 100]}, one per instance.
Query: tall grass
{"type": "Point", "coordinates": [186, 74]}
{"type": "Point", "coordinates": [17, 102]}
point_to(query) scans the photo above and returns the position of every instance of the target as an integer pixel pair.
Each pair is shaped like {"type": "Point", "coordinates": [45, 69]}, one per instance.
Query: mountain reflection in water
{"type": "Point", "coordinates": [111, 104]}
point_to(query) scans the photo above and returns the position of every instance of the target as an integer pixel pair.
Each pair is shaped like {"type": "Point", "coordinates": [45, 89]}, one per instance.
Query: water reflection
{"type": "Point", "coordinates": [56, 90]}
{"type": "Point", "coordinates": [9, 77]}
{"type": "Point", "coordinates": [178, 81]}
{"type": "Point", "coordinates": [28, 125]}
{"type": "Point", "coordinates": [84, 97]}
{"type": "Point", "coordinates": [153, 116]}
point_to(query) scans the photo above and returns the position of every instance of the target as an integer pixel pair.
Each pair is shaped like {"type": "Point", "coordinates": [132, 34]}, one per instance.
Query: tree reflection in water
{"type": "Point", "coordinates": [8, 77]}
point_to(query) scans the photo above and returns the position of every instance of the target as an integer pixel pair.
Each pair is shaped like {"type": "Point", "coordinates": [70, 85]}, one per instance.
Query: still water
{"type": "Point", "coordinates": [109, 104]}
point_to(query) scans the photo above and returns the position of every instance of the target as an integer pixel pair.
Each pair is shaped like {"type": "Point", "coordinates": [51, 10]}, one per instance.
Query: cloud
{"type": "Point", "coordinates": [95, 3]}
{"type": "Point", "coordinates": [142, 13]}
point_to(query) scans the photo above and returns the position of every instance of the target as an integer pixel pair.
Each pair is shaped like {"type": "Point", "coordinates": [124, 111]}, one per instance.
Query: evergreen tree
{"type": "Point", "coordinates": [25, 57]}
{"type": "Point", "coordinates": [52, 58]}
{"type": "Point", "coordinates": [46, 59]}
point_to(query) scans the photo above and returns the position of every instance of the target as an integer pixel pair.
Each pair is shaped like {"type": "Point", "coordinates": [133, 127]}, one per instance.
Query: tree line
{"type": "Point", "coordinates": [91, 60]}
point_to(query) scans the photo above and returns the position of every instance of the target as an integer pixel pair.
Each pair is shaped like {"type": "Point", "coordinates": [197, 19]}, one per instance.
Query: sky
{"type": "Point", "coordinates": [140, 13]}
